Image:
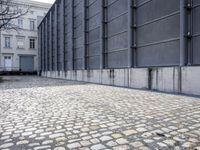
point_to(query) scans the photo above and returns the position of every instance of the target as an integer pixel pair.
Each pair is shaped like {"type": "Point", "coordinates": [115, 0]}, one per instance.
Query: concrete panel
{"type": "Point", "coordinates": [165, 79]}
{"type": "Point", "coordinates": [68, 75]}
{"type": "Point", "coordinates": [74, 75]}
{"type": "Point", "coordinates": [121, 77]}
{"type": "Point", "coordinates": [138, 78]}
{"type": "Point", "coordinates": [106, 78]}
{"type": "Point", "coordinates": [191, 80]}
{"type": "Point", "coordinates": [94, 76]}
{"type": "Point", "coordinates": [79, 75]}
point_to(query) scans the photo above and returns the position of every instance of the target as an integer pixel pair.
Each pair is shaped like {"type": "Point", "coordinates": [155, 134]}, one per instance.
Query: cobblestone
{"type": "Point", "coordinates": [40, 113]}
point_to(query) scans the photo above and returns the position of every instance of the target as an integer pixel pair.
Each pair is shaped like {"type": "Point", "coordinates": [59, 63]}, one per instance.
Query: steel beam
{"type": "Point", "coordinates": [183, 32]}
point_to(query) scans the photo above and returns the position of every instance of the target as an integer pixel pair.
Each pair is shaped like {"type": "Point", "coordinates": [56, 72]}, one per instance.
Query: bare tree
{"type": "Point", "coordinates": [9, 11]}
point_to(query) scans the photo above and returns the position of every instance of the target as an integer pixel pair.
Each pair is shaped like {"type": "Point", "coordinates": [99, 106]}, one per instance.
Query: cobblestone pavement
{"type": "Point", "coordinates": [41, 114]}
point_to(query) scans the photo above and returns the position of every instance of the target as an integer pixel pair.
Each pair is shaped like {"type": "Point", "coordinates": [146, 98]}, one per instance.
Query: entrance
{"type": "Point", "coordinates": [8, 63]}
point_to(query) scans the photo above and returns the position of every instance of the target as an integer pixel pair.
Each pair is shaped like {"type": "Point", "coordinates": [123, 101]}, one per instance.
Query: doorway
{"type": "Point", "coordinates": [8, 63]}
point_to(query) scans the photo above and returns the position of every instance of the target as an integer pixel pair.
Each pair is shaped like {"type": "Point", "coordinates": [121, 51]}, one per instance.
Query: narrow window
{"type": "Point", "coordinates": [32, 25]}
{"type": "Point", "coordinates": [20, 42]}
{"type": "Point", "coordinates": [20, 23]}
{"type": "Point", "coordinates": [7, 42]}
{"type": "Point", "coordinates": [32, 43]}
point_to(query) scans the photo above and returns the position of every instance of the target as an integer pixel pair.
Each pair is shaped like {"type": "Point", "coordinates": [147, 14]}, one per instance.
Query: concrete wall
{"type": "Point", "coordinates": [183, 80]}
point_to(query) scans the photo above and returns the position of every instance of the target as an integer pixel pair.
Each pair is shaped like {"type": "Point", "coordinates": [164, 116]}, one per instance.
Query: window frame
{"type": "Point", "coordinates": [7, 43]}
{"type": "Point", "coordinates": [32, 25]}
{"type": "Point", "coordinates": [23, 40]}
{"type": "Point", "coordinates": [20, 25]}
{"type": "Point", "coordinates": [32, 43]}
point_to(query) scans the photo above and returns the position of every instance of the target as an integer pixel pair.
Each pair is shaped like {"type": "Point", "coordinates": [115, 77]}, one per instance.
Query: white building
{"type": "Point", "coordinates": [19, 49]}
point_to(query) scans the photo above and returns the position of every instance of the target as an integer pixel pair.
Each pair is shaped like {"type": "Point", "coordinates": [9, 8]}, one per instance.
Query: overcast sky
{"type": "Point", "coordinates": [46, 1]}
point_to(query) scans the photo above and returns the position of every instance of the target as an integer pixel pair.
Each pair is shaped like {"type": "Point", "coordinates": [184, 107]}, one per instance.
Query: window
{"type": "Point", "coordinates": [32, 25]}
{"type": "Point", "coordinates": [20, 42]}
{"type": "Point", "coordinates": [20, 23]}
{"type": "Point", "coordinates": [32, 43]}
{"type": "Point", "coordinates": [7, 42]}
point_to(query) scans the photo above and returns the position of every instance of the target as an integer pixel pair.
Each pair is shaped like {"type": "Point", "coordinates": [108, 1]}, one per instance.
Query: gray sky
{"type": "Point", "coordinates": [46, 1]}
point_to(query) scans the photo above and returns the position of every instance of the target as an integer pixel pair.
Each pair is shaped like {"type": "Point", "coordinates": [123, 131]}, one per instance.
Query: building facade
{"type": "Point", "coordinates": [19, 49]}
{"type": "Point", "coordinates": [148, 44]}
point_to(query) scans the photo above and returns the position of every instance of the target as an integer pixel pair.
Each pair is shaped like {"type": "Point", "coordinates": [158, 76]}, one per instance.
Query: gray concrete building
{"type": "Point", "coordinates": [19, 49]}
{"type": "Point", "coordinates": [145, 44]}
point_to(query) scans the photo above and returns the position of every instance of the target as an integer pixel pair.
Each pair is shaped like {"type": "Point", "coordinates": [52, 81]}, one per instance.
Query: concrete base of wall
{"type": "Point", "coordinates": [185, 80]}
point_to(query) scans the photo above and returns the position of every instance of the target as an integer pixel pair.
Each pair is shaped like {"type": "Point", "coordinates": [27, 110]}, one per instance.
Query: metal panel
{"type": "Point", "coordinates": [50, 40]}
{"type": "Point", "coordinates": [78, 34]}
{"type": "Point", "coordinates": [196, 32]}
{"type": "Point", "coordinates": [43, 48]}
{"type": "Point", "coordinates": [117, 28]}
{"type": "Point", "coordinates": [27, 63]}
{"type": "Point", "coordinates": [47, 44]}
{"type": "Point", "coordinates": [56, 37]}
{"type": "Point", "coordinates": [68, 35]}
{"type": "Point", "coordinates": [158, 33]}
{"type": "Point", "coordinates": [53, 53]}
{"type": "Point", "coordinates": [93, 36]}
{"type": "Point", "coordinates": [60, 35]}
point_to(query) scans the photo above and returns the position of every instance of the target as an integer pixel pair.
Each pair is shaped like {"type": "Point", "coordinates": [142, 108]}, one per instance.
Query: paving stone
{"type": "Point", "coordinates": [98, 147]}
{"type": "Point", "coordinates": [144, 148]}
{"type": "Point", "coordinates": [170, 142]}
{"type": "Point", "coordinates": [111, 143]}
{"type": "Point", "coordinates": [121, 147]}
{"type": "Point", "coordinates": [59, 148]}
{"type": "Point", "coordinates": [183, 130]}
{"type": "Point", "coordinates": [34, 144]}
{"type": "Point", "coordinates": [161, 144]}
{"type": "Point", "coordinates": [22, 142]}
{"type": "Point", "coordinates": [47, 142]}
{"type": "Point", "coordinates": [121, 141]}
{"type": "Point", "coordinates": [84, 148]}
{"type": "Point", "coordinates": [58, 113]}
{"type": "Point", "coordinates": [61, 139]}
{"type": "Point", "coordinates": [6, 133]}
{"type": "Point", "coordinates": [95, 141]}
{"type": "Point", "coordinates": [141, 129]}
{"type": "Point", "coordinates": [39, 131]}
{"type": "Point", "coordinates": [26, 133]}
{"type": "Point", "coordinates": [52, 136]}
{"type": "Point", "coordinates": [5, 137]}
{"type": "Point", "coordinates": [189, 145]}
{"type": "Point", "coordinates": [129, 132]}
{"type": "Point", "coordinates": [6, 145]}
{"type": "Point", "coordinates": [42, 147]}
{"type": "Point", "coordinates": [136, 144]}
{"type": "Point", "coordinates": [31, 129]}
{"type": "Point", "coordinates": [85, 143]}
{"type": "Point", "coordinates": [74, 145]}
{"type": "Point", "coordinates": [105, 138]}
{"type": "Point", "coordinates": [116, 136]}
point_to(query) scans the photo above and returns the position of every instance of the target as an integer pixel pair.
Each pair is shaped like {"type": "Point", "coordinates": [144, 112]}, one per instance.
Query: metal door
{"type": "Point", "coordinates": [27, 63]}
